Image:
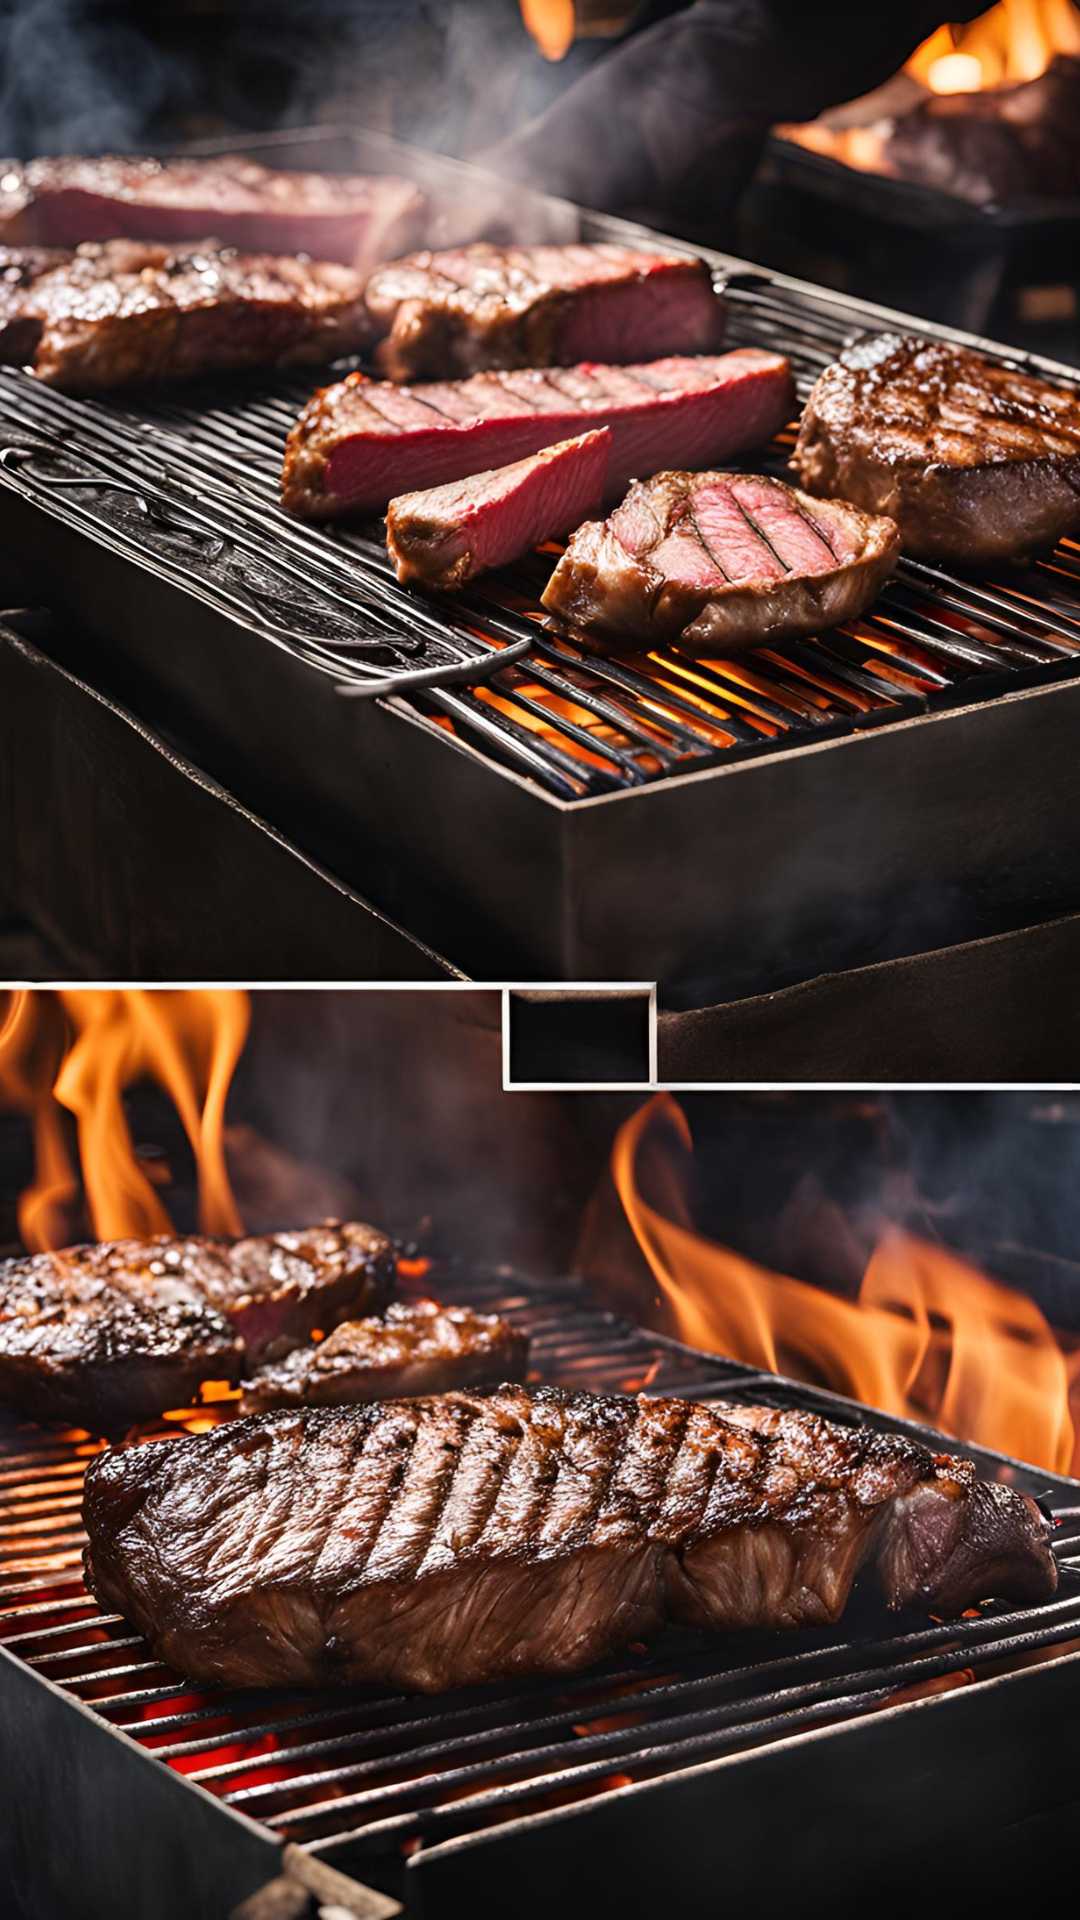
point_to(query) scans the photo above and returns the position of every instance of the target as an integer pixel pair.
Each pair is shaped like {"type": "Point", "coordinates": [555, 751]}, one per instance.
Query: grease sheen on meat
{"type": "Point", "coordinates": [415, 1347]}
{"type": "Point", "coordinates": [976, 462]}
{"type": "Point", "coordinates": [438, 1542]}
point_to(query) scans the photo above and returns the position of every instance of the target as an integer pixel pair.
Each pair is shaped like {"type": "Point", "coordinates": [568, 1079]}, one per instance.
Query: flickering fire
{"type": "Point", "coordinates": [928, 1337]}
{"type": "Point", "coordinates": [67, 1058]}
{"type": "Point", "coordinates": [1014, 41]}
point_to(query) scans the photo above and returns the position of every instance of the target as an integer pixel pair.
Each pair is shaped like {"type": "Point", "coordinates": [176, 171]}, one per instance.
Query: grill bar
{"type": "Point", "coordinates": [371, 1777]}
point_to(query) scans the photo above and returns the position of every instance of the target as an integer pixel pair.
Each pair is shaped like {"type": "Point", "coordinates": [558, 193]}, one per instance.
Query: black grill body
{"type": "Point", "coordinates": [904, 784]}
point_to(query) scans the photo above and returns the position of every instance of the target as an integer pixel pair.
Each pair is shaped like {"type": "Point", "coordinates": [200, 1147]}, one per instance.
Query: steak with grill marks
{"type": "Point", "coordinates": [447, 535]}
{"type": "Point", "coordinates": [444, 1542]}
{"type": "Point", "coordinates": [718, 561]}
{"type": "Point", "coordinates": [361, 442]}
{"type": "Point", "coordinates": [107, 1335]}
{"type": "Point", "coordinates": [356, 219]}
{"type": "Point", "coordinates": [415, 1347]}
{"type": "Point", "coordinates": [975, 462]}
{"type": "Point", "coordinates": [468, 308]}
{"type": "Point", "coordinates": [123, 312]}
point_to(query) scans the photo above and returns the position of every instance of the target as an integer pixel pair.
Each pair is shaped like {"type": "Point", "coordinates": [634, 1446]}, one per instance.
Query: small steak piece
{"type": "Point", "coordinates": [471, 308]}
{"type": "Point", "coordinates": [124, 312]}
{"type": "Point", "coordinates": [357, 219]}
{"type": "Point", "coordinates": [714, 562]}
{"type": "Point", "coordinates": [446, 536]}
{"type": "Point", "coordinates": [108, 1335]}
{"type": "Point", "coordinates": [20, 269]}
{"type": "Point", "coordinates": [104, 1336]}
{"type": "Point", "coordinates": [415, 1347]}
{"type": "Point", "coordinates": [361, 442]}
{"type": "Point", "coordinates": [975, 462]}
{"type": "Point", "coordinates": [453, 1540]}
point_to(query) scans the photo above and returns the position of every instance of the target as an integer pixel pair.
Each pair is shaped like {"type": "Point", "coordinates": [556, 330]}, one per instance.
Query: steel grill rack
{"type": "Point", "coordinates": [389, 1790]}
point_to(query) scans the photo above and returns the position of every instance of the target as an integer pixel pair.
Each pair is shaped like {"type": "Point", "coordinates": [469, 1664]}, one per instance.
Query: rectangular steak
{"type": "Point", "coordinates": [126, 312]}
{"type": "Point", "coordinates": [103, 1336]}
{"type": "Point", "coordinates": [446, 536]}
{"type": "Point", "coordinates": [975, 462]}
{"type": "Point", "coordinates": [716, 561]}
{"type": "Point", "coordinates": [353, 218]}
{"type": "Point", "coordinates": [361, 442]}
{"type": "Point", "coordinates": [470, 308]}
{"type": "Point", "coordinates": [449, 1541]}
{"type": "Point", "coordinates": [415, 1347]}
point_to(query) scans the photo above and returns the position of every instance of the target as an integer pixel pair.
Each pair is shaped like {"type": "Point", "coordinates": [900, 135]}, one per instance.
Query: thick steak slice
{"type": "Point", "coordinates": [470, 308]}
{"type": "Point", "coordinates": [446, 536]}
{"type": "Point", "coordinates": [719, 561]}
{"type": "Point", "coordinates": [20, 268]}
{"type": "Point", "coordinates": [415, 1347]}
{"type": "Point", "coordinates": [443, 1542]}
{"type": "Point", "coordinates": [112, 1334]}
{"type": "Point", "coordinates": [361, 442]}
{"type": "Point", "coordinates": [126, 312]}
{"type": "Point", "coordinates": [357, 219]}
{"type": "Point", "coordinates": [975, 462]}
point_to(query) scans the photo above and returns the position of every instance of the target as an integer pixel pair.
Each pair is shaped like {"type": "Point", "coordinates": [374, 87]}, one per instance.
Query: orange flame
{"type": "Point", "coordinates": [928, 1337]}
{"type": "Point", "coordinates": [75, 1052]}
{"type": "Point", "coordinates": [1013, 41]}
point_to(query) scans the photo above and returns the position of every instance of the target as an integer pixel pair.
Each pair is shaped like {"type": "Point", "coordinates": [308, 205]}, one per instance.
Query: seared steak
{"type": "Point", "coordinates": [361, 442]}
{"type": "Point", "coordinates": [104, 1336]}
{"type": "Point", "coordinates": [126, 312]}
{"type": "Point", "coordinates": [975, 462]}
{"type": "Point", "coordinates": [448, 1541]}
{"type": "Point", "coordinates": [20, 268]}
{"type": "Point", "coordinates": [469, 308]}
{"type": "Point", "coordinates": [446, 536]}
{"type": "Point", "coordinates": [718, 561]}
{"type": "Point", "coordinates": [415, 1347]}
{"type": "Point", "coordinates": [354, 218]}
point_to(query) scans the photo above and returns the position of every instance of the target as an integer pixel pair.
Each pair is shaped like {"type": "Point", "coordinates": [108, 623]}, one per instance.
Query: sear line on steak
{"type": "Point", "coordinates": [482, 306]}
{"type": "Point", "coordinates": [103, 1336]}
{"type": "Point", "coordinates": [449, 1541]}
{"type": "Point", "coordinates": [125, 312]}
{"type": "Point", "coordinates": [356, 219]}
{"type": "Point", "coordinates": [447, 535]}
{"type": "Point", "coordinates": [361, 442]}
{"type": "Point", "coordinates": [712, 562]}
{"type": "Point", "coordinates": [976, 462]}
{"type": "Point", "coordinates": [415, 1347]}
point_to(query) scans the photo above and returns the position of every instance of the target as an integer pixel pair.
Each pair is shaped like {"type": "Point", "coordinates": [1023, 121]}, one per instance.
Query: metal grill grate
{"type": "Point", "coordinates": [363, 1780]}
{"type": "Point", "coordinates": [189, 485]}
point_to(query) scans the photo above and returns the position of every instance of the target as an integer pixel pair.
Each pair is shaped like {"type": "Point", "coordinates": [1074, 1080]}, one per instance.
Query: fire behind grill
{"type": "Point", "coordinates": [396, 1790]}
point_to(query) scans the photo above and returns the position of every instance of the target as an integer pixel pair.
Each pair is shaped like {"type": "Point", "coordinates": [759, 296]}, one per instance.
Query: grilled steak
{"type": "Point", "coordinates": [717, 561]}
{"type": "Point", "coordinates": [414, 1347]}
{"type": "Point", "coordinates": [446, 536]}
{"type": "Point", "coordinates": [104, 1336]}
{"type": "Point", "coordinates": [469, 308]}
{"type": "Point", "coordinates": [124, 312]}
{"type": "Point", "coordinates": [20, 268]}
{"type": "Point", "coordinates": [361, 442]}
{"type": "Point", "coordinates": [443, 1542]}
{"type": "Point", "coordinates": [975, 462]}
{"type": "Point", "coordinates": [354, 218]}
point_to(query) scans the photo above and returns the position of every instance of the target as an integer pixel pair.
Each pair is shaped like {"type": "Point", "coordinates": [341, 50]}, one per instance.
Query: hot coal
{"type": "Point", "coordinates": [447, 535]}
{"type": "Point", "coordinates": [415, 1347]}
{"type": "Point", "coordinates": [476, 307]}
{"type": "Point", "coordinates": [718, 561]}
{"type": "Point", "coordinates": [448, 1541]}
{"type": "Point", "coordinates": [975, 461]}
{"type": "Point", "coordinates": [361, 442]}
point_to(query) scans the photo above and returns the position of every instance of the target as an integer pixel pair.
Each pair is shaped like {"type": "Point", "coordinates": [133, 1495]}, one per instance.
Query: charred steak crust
{"type": "Point", "coordinates": [468, 308]}
{"type": "Point", "coordinates": [359, 443]}
{"type": "Point", "coordinates": [713, 562]}
{"type": "Point", "coordinates": [127, 311]}
{"type": "Point", "coordinates": [976, 462]}
{"type": "Point", "coordinates": [20, 269]}
{"type": "Point", "coordinates": [448, 1541]}
{"type": "Point", "coordinates": [104, 1336]}
{"type": "Point", "coordinates": [415, 1347]}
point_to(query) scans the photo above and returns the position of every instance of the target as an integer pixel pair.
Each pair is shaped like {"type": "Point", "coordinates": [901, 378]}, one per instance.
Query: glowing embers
{"type": "Point", "coordinates": [927, 1336]}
